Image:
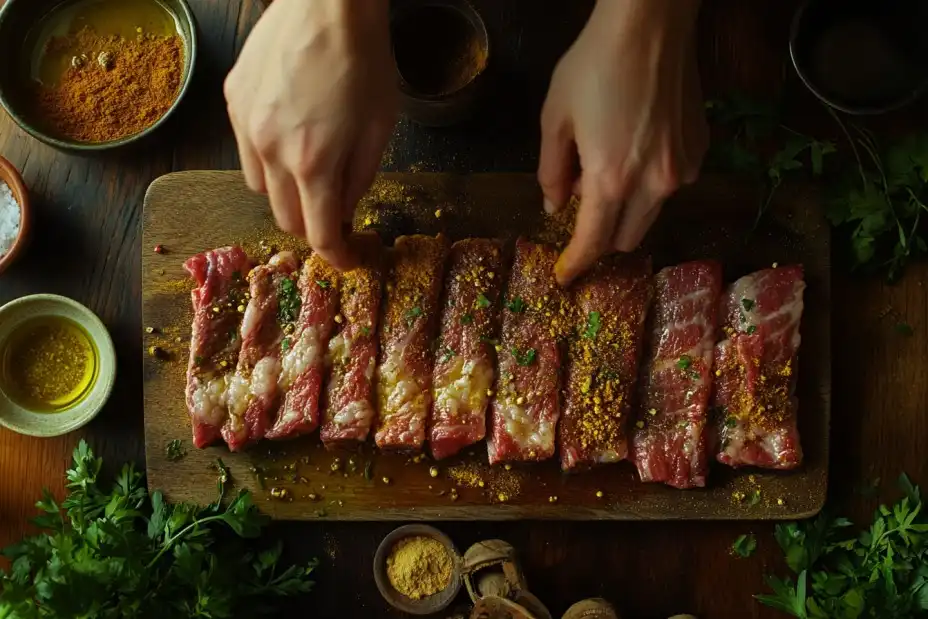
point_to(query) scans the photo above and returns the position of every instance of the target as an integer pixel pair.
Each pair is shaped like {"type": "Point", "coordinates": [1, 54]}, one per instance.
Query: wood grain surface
{"type": "Point", "coordinates": [190, 212]}
{"type": "Point", "coordinates": [87, 240]}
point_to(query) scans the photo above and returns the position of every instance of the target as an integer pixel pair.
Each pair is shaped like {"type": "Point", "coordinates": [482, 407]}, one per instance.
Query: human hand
{"type": "Point", "coordinates": [312, 99]}
{"type": "Point", "coordinates": [625, 98]}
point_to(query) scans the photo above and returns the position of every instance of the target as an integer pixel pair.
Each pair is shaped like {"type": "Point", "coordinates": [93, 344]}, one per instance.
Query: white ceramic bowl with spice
{"type": "Point", "coordinates": [16, 319]}
{"type": "Point", "coordinates": [426, 605]}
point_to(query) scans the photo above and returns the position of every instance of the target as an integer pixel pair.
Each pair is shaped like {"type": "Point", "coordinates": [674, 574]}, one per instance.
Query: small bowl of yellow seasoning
{"type": "Point", "coordinates": [57, 365]}
{"type": "Point", "coordinates": [418, 569]}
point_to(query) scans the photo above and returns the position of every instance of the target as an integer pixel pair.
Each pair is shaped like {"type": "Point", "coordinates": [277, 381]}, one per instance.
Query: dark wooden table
{"type": "Point", "coordinates": [86, 245]}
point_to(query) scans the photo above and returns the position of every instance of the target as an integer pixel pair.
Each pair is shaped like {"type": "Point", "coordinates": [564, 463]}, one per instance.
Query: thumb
{"type": "Point", "coordinates": [555, 165]}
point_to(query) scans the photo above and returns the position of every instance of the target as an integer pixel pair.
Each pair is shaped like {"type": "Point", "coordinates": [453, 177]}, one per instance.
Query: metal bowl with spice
{"type": "Point", "coordinates": [92, 75]}
{"type": "Point", "coordinates": [57, 365]}
{"type": "Point", "coordinates": [418, 569]}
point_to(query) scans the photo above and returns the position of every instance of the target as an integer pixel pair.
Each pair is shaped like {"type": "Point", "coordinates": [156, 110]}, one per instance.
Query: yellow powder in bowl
{"type": "Point", "coordinates": [419, 567]}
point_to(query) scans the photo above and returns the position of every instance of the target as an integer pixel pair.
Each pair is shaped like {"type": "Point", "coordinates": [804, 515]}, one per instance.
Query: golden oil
{"type": "Point", "coordinates": [124, 18]}
{"type": "Point", "coordinates": [49, 364]}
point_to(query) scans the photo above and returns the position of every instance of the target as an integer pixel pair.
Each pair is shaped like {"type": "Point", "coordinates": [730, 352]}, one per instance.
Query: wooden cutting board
{"type": "Point", "coordinates": [193, 211]}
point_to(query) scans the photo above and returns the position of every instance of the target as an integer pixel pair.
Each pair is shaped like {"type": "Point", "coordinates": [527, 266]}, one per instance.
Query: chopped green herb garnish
{"type": "Point", "coordinates": [412, 314]}
{"type": "Point", "coordinates": [365, 331]}
{"type": "Point", "coordinates": [198, 360]}
{"type": "Point", "coordinates": [467, 319]}
{"type": "Point", "coordinates": [516, 304]}
{"type": "Point", "coordinates": [526, 358]}
{"type": "Point", "coordinates": [744, 546]}
{"type": "Point", "coordinates": [684, 362]}
{"type": "Point", "coordinates": [447, 354]}
{"type": "Point", "coordinates": [323, 283]}
{"type": "Point", "coordinates": [747, 304]}
{"type": "Point", "coordinates": [754, 498]}
{"type": "Point", "coordinates": [175, 450]}
{"type": "Point", "coordinates": [285, 344]}
{"type": "Point", "coordinates": [482, 301]}
{"type": "Point", "coordinates": [288, 301]}
{"type": "Point", "coordinates": [730, 422]}
{"type": "Point", "coordinates": [592, 325]}
{"type": "Point", "coordinates": [751, 329]}
{"type": "Point", "coordinates": [904, 328]}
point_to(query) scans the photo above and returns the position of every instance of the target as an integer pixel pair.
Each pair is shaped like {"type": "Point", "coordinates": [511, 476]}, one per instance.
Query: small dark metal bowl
{"type": "Point", "coordinates": [425, 606]}
{"type": "Point", "coordinates": [18, 18]}
{"type": "Point", "coordinates": [901, 22]}
{"type": "Point", "coordinates": [446, 108]}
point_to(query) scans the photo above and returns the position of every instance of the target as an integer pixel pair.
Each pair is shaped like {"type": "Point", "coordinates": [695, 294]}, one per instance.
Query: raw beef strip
{"type": "Point", "coordinates": [526, 407]}
{"type": "Point", "coordinates": [302, 351]}
{"type": "Point", "coordinates": [756, 370]}
{"type": "Point", "coordinates": [404, 376]}
{"type": "Point", "coordinates": [349, 403]}
{"type": "Point", "coordinates": [214, 343]}
{"type": "Point", "coordinates": [253, 394]}
{"type": "Point", "coordinates": [463, 373]}
{"type": "Point", "coordinates": [612, 301]}
{"type": "Point", "coordinates": [669, 443]}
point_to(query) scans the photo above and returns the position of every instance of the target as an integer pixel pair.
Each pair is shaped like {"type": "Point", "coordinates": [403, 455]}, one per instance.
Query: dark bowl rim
{"type": "Point", "coordinates": [425, 606]}
{"type": "Point", "coordinates": [186, 15]}
{"type": "Point", "coordinates": [857, 110]}
{"type": "Point", "coordinates": [470, 12]}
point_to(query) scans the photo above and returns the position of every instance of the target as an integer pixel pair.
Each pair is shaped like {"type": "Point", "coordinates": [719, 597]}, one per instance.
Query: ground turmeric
{"type": "Point", "coordinates": [419, 567]}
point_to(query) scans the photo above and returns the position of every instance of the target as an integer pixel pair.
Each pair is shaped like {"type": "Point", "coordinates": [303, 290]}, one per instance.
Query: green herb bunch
{"type": "Point", "coordinates": [119, 552]}
{"type": "Point", "coordinates": [881, 572]}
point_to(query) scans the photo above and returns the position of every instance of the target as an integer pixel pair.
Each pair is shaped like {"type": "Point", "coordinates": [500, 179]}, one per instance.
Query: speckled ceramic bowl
{"type": "Point", "coordinates": [23, 421]}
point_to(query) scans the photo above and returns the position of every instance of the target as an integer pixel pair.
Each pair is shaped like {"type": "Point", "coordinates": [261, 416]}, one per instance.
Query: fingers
{"type": "Point", "coordinates": [285, 200]}
{"type": "Point", "coordinates": [555, 165]}
{"type": "Point", "coordinates": [595, 228]}
{"type": "Point", "coordinates": [363, 166]}
{"type": "Point", "coordinates": [322, 215]}
{"type": "Point", "coordinates": [636, 220]}
{"type": "Point", "coordinates": [252, 167]}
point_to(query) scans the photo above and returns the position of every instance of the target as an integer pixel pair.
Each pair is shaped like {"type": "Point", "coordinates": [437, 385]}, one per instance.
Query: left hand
{"type": "Point", "coordinates": [625, 98]}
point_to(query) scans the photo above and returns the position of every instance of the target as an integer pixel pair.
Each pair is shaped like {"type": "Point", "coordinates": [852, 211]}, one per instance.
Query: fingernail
{"type": "Point", "coordinates": [550, 209]}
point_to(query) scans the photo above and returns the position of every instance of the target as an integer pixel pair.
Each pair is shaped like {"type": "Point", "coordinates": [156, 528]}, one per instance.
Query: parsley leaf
{"type": "Point", "coordinates": [467, 319]}
{"type": "Point", "coordinates": [175, 450]}
{"type": "Point", "coordinates": [516, 305]}
{"type": "Point", "coordinates": [751, 329]}
{"type": "Point", "coordinates": [904, 328]}
{"type": "Point", "coordinates": [482, 301]}
{"type": "Point", "coordinates": [365, 331]}
{"type": "Point", "coordinates": [447, 354]}
{"type": "Point", "coordinates": [285, 344]}
{"type": "Point", "coordinates": [114, 550]}
{"type": "Point", "coordinates": [744, 546]}
{"type": "Point", "coordinates": [288, 301]}
{"type": "Point", "coordinates": [684, 362]}
{"type": "Point", "coordinates": [526, 358]}
{"type": "Point", "coordinates": [592, 325]}
{"type": "Point", "coordinates": [323, 283]}
{"type": "Point", "coordinates": [747, 304]}
{"type": "Point", "coordinates": [412, 314]}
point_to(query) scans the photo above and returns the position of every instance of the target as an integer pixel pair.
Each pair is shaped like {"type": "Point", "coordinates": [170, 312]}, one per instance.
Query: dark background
{"type": "Point", "coordinates": [86, 245]}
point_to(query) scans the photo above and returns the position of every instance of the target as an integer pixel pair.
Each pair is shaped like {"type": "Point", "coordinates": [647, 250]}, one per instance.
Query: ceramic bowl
{"type": "Point", "coordinates": [23, 421]}
{"type": "Point", "coordinates": [410, 17]}
{"type": "Point", "coordinates": [425, 606]}
{"type": "Point", "coordinates": [17, 20]}
{"type": "Point", "coordinates": [11, 176]}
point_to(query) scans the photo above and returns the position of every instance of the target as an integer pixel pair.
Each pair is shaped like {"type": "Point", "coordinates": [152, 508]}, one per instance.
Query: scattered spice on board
{"type": "Point", "coordinates": [10, 216]}
{"type": "Point", "coordinates": [419, 567]}
{"type": "Point", "coordinates": [118, 87]}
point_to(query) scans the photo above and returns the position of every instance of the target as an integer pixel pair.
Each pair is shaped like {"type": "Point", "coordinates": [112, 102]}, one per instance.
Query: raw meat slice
{"type": "Point", "coordinates": [302, 351]}
{"type": "Point", "coordinates": [612, 301]}
{"type": "Point", "coordinates": [404, 376]}
{"type": "Point", "coordinates": [352, 357]}
{"type": "Point", "coordinates": [669, 443]}
{"type": "Point", "coordinates": [253, 393]}
{"type": "Point", "coordinates": [214, 342]}
{"type": "Point", "coordinates": [756, 370]}
{"type": "Point", "coordinates": [463, 373]}
{"type": "Point", "coordinates": [526, 407]}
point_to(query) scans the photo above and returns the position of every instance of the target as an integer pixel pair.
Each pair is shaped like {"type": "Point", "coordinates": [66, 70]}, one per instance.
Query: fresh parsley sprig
{"type": "Point", "coordinates": [881, 571]}
{"type": "Point", "coordinates": [118, 552]}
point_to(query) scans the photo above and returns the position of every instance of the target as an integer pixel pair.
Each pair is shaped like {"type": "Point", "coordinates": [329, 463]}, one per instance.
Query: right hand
{"type": "Point", "coordinates": [312, 100]}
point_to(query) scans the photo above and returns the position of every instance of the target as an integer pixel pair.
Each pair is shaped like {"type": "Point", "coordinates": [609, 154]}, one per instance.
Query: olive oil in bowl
{"type": "Point", "coordinates": [48, 364]}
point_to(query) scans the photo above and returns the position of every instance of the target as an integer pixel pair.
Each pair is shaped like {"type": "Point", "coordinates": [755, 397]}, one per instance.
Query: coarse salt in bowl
{"type": "Point", "coordinates": [10, 216]}
{"type": "Point", "coordinates": [14, 214]}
